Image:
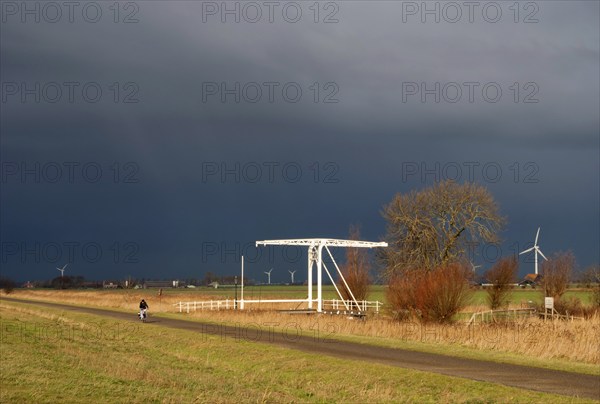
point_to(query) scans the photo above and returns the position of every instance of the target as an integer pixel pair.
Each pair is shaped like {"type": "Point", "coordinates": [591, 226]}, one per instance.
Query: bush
{"type": "Point", "coordinates": [556, 273]}
{"type": "Point", "coordinates": [434, 296]}
{"type": "Point", "coordinates": [7, 285]}
{"type": "Point", "coordinates": [401, 295]}
{"type": "Point", "coordinates": [596, 297]}
{"type": "Point", "coordinates": [501, 276]}
{"type": "Point", "coordinates": [355, 271]}
{"type": "Point", "coordinates": [574, 307]}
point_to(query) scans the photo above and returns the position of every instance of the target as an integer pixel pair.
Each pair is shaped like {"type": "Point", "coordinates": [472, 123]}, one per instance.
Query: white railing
{"type": "Point", "coordinates": [363, 305]}
{"type": "Point", "coordinates": [227, 304]}
{"type": "Point", "coordinates": [230, 304]}
{"type": "Point", "coordinates": [493, 314]}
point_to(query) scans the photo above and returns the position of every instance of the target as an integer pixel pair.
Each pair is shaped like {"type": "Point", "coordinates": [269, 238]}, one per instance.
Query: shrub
{"type": "Point", "coordinates": [7, 285]}
{"type": "Point", "coordinates": [556, 273]}
{"type": "Point", "coordinates": [596, 297]}
{"type": "Point", "coordinates": [501, 276]}
{"type": "Point", "coordinates": [355, 271]}
{"type": "Point", "coordinates": [434, 296]}
{"type": "Point", "coordinates": [574, 307]}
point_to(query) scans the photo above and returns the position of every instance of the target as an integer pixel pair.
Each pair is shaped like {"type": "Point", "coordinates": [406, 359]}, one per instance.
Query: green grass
{"type": "Point", "coordinates": [130, 362]}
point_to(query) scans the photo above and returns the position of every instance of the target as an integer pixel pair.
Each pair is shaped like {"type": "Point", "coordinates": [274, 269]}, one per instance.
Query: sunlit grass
{"type": "Point", "coordinates": [133, 362]}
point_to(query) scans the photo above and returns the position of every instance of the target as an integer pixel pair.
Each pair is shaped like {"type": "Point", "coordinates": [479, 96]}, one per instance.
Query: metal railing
{"type": "Point", "coordinates": [230, 304]}
{"type": "Point", "coordinates": [363, 305]}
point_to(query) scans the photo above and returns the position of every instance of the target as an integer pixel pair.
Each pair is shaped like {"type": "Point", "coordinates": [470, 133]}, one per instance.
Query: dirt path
{"type": "Point", "coordinates": [545, 380]}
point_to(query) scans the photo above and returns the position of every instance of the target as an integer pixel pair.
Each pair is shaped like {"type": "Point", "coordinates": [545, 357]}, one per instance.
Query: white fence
{"type": "Point", "coordinates": [363, 305]}
{"type": "Point", "coordinates": [493, 315]}
{"type": "Point", "coordinates": [230, 304]}
{"type": "Point", "coordinates": [227, 304]}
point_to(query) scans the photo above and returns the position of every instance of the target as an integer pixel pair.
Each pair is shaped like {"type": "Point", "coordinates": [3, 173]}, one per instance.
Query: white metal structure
{"type": "Point", "coordinates": [315, 259]}
{"type": "Point", "coordinates": [269, 275]}
{"type": "Point", "coordinates": [292, 274]}
{"type": "Point", "coordinates": [62, 270]}
{"type": "Point", "coordinates": [536, 250]}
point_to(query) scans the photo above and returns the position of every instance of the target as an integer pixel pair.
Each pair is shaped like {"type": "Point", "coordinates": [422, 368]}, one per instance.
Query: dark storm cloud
{"type": "Point", "coordinates": [176, 130]}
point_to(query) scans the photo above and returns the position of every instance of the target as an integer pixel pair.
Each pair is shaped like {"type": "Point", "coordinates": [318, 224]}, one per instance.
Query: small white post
{"type": "Point", "coordinates": [242, 301]}
{"type": "Point", "coordinates": [188, 307]}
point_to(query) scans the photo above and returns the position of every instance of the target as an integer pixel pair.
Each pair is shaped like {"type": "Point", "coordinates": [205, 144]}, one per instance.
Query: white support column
{"type": "Point", "coordinates": [320, 279]}
{"type": "Point", "coordinates": [309, 281]}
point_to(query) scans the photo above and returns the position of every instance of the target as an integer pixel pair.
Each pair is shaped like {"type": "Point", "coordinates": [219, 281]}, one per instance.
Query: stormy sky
{"type": "Point", "coordinates": [162, 139]}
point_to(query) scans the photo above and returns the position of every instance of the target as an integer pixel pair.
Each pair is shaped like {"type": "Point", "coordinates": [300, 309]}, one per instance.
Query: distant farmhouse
{"type": "Point", "coordinates": [163, 284]}
{"type": "Point", "coordinates": [530, 280]}
{"type": "Point", "coordinates": [110, 285]}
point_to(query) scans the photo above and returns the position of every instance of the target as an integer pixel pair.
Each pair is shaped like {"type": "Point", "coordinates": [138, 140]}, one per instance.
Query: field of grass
{"type": "Point", "coordinates": [559, 345]}
{"type": "Point", "coordinates": [518, 296]}
{"type": "Point", "coordinates": [49, 355]}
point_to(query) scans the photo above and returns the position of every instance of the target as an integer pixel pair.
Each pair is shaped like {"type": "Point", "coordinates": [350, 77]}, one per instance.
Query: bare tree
{"type": "Point", "coordinates": [434, 226]}
{"type": "Point", "coordinates": [502, 276]}
{"type": "Point", "coordinates": [590, 277]}
{"type": "Point", "coordinates": [355, 270]}
{"type": "Point", "coordinates": [556, 274]}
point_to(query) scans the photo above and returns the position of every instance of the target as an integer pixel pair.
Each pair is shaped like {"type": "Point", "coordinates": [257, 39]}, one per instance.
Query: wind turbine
{"type": "Point", "coordinates": [474, 267]}
{"type": "Point", "coordinates": [537, 250]}
{"type": "Point", "coordinates": [292, 273]}
{"type": "Point", "coordinates": [62, 270]}
{"type": "Point", "coordinates": [269, 274]}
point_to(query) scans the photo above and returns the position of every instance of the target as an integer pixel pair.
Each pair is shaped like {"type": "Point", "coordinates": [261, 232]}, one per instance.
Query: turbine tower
{"type": "Point", "coordinates": [536, 250]}
{"type": "Point", "coordinates": [292, 273]}
{"type": "Point", "coordinates": [62, 270]}
{"type": "Point", "coordinates": [269, 275]}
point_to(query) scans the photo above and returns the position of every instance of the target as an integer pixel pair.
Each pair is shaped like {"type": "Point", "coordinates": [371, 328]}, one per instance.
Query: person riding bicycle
{"type": "Point", "coordinates": [143, 308]}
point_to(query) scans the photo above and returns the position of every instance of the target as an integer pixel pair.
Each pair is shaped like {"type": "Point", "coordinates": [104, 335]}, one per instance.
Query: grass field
{"type": "Point", "coordinates": [49, 355]}
{"type": "Point", "coordinates": [559, 345]}
{"type": "Point", "coordinates": [518, 296]}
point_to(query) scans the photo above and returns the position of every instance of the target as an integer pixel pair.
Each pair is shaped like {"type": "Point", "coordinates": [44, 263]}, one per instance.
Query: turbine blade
{"type": "Point", "coordinates": [536, 236]}
{"type": "Point", "coordinates": [541, 253]}
{"type": "Point", "coordinates": [526, 251]}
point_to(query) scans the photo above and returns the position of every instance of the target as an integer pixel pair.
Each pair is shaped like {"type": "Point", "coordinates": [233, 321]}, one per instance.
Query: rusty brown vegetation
{"type": "Point", "coordinates": [501, 276]}
{"type": "Point", "coordinates": [432, 296]}
{"type": "Point", "coordinates": [556, 274]}
{"type": "Point", "coordinates": [355, 271]}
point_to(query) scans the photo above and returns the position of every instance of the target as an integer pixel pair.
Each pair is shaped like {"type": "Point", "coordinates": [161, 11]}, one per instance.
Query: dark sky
{"type": "Point", "coordinates": [161, 139]}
